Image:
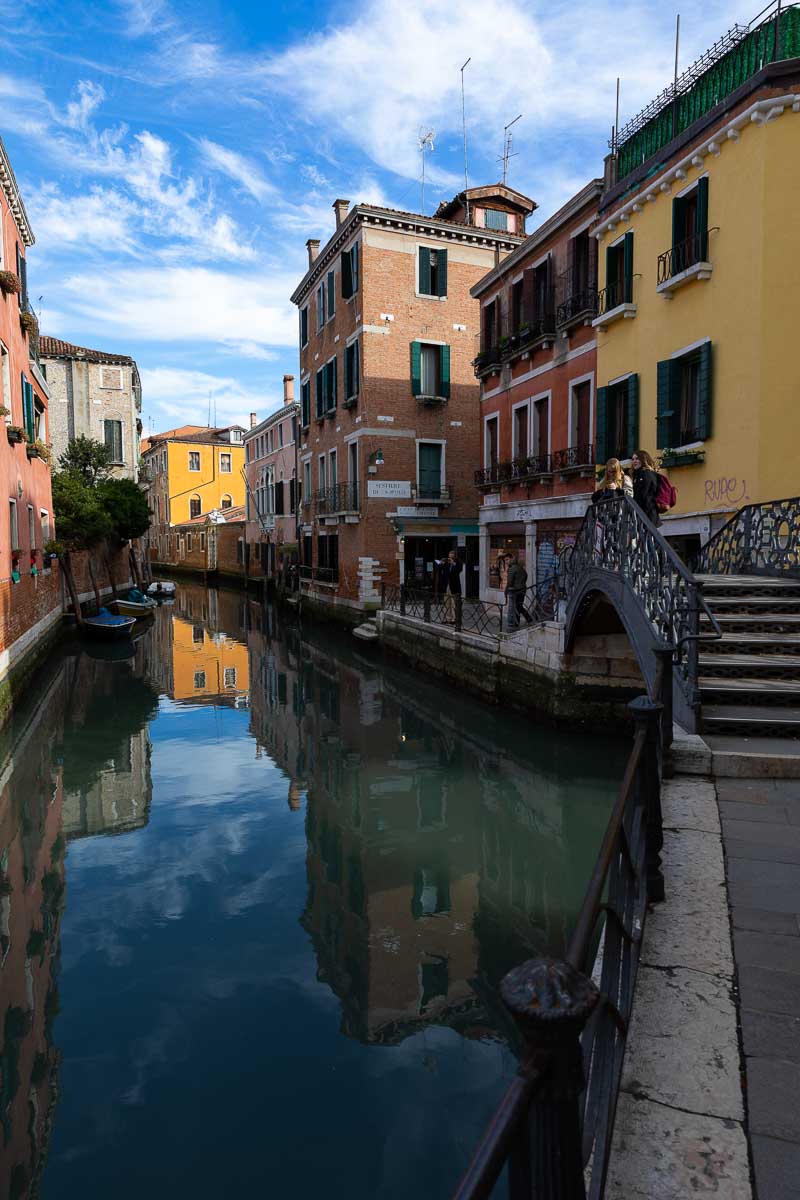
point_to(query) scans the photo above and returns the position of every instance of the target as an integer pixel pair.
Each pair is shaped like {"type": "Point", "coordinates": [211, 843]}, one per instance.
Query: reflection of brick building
{"type": "Point", "coordinates": [118, 799]}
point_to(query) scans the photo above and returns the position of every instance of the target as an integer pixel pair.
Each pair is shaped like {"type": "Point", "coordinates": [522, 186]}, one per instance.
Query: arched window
{"type": "Point", "coordinates": [194, 506]}
{"type": "Point", "coordinates": [226, 502]}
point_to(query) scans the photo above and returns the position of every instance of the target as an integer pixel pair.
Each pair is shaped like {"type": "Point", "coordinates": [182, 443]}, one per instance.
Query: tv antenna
{"type": "Point", "coordinates": [508, 141]}
{"type": "Point", "coordinates": [425, 143]}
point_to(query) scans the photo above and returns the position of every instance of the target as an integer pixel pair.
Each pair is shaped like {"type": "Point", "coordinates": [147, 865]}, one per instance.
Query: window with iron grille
{"type": "Point", "coordinates": [230, 677]}
{"type": "Point", "coordinates": [112, 435]}
{"type": "Point", "coordinates": [194, 460]}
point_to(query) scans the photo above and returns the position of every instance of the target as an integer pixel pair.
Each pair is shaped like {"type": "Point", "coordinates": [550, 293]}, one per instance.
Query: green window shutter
{"type": "Point", "coordinates": [610, 275]}
{"type": "Point", "coordinates": [305, 397]}
{"type": "Point", "coordinates": [320, 409]}
{"type": "Point", "coordinates": [331, 389]}
{"type": "Point", "coordinates": [706, 395]}
{"type": "Point", "coordinates": [702, 218]}
{"type": "Point", "coordinates": [303, 326]}
{"type": "Point", "coordinates": [356, 372]}
{"type": "Point", "coordinates": [444, 372]}
{"type": "Point", "coordinates": [666, 415]}
{"type": "Point", "coordinates": [601, 425]}
{"type": "Point", "coordinates": [354, 266]}
{"type": "Point", "coordinates": [347, 275]}
{"type": "Point", "coordinates": [348, 371]}
{"type": "Point", "coordinates": [424, 271]}
{"type": "Point", "coordinates": [628, 264]}
{"type": "Point", "coordinates": [331, 293]}
{"type": "Point", "coordinates": [416, 369]}
{"type": "Point", "coordinates": [27, 407]}
{"type": "Point", "coordinates": [632, 413]}
{"type": "Point", "coordinates": [442, 272]}
{"type": "Point", "coordinates": [677, 224]}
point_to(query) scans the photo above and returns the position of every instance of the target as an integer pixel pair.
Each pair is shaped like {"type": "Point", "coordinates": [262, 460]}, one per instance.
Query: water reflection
{"type": "Point", "coordinates": [327, 865]}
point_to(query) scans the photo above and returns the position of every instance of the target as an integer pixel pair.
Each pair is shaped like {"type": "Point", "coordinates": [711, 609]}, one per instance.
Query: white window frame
{"type": "Point", "coordinates": [442, 463]}
{"type": "Point", "coordinates": [352, 457]}
{"type": "Point", "coordinates": [229, 469]}
{"type": "Point", "coordinates": [13, 523]}
{"type": "Point", "coordinates": [426, 295]}
{"type": "Point", "coordinates": [572, 432]}
{"type": "Point", "coordinates": [5, 379]}
{"type": "Point", "coordinates": [516, 451]}
{"type": "Point", "coordinates": [194, 470]}
{"type": "Point", "coordinates": [229, 673]}
{"type": "Point", "coordinates": [44, 525]}
{"type": "Point", "coordinates": [322, 473]}
{"type": "Point", "coordinates": [495, 416]}
{"type": "Point", "coordinates": [321, 305]}
{"type": "Point", "coordinates": [333, 468]}
{"type": "Point", "coordinates": [306, 480]}
{"type": "Point", "coordinates": [31, 529]}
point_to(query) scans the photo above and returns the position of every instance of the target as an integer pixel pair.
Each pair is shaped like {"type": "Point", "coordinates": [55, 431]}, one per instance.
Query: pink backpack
{"type": "Point", "coordinates": [666, 496]}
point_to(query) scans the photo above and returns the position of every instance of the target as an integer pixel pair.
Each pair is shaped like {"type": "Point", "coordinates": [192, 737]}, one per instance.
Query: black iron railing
{"type": "Point", "coordinates": [573, 458]}
{"type": "Point", "coordinates": [554, 1127]}
{"type": "Point", "coordinates": [582, 303]}
{"type": "Point", "coordinates": [683, 255]}
{"type": "Point", "coordinates": [760, 539]}
{"type": "Point", "coordinates": [489, 359]}
{"type": "Point", "coordinates": [430, 494]}
{"type": "Point", "coordinates": [616, 538]}
{"type": "Point", "coordinates": [465, 614]}
{"type": "Point", "coordinates": [533, 466]}
{"type": "Point", "coordinates": [610, 297]}
{"type": "Point", "coordinates": [319, 574]}
{"type": "Point", "coordinates": [339, 498]}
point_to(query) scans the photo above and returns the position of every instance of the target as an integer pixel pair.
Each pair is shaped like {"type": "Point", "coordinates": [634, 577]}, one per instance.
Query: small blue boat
{"type": "Point", "coordinates": [105, 624]}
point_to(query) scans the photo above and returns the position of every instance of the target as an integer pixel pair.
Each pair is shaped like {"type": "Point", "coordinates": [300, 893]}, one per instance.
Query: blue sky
{"type": "Point", "coordinates": [174, 157]}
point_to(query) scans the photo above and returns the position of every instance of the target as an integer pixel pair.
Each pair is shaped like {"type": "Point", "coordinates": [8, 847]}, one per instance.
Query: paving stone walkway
{"type": "Point", "coordinates": [761, 837]}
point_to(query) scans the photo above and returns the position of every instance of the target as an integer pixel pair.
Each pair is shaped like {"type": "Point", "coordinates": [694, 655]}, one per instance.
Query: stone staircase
{"type": "Point", "coordinates": [750, 678]}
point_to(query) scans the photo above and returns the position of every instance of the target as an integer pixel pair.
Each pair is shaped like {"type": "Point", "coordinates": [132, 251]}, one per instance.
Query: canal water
{"type": "Point", "coordinates": [257, 891]}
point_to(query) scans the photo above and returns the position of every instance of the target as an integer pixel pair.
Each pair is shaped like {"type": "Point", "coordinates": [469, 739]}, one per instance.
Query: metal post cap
{"type": "Point", "coordinates": [545, 990]}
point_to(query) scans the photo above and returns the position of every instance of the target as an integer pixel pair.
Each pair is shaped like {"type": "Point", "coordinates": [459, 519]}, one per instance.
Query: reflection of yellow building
{"type": "Point", "coordinates": [206, 665]}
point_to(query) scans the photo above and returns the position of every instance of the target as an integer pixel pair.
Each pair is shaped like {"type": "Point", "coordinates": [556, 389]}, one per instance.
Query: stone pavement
{"type": "Point", "coordinates": [761, 837]}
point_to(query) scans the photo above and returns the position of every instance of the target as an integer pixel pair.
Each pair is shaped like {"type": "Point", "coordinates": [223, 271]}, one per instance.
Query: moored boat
{"type": "Point", "coordinates": [161, 589]}
{"type": "Point", "coordinates": [107, 625]}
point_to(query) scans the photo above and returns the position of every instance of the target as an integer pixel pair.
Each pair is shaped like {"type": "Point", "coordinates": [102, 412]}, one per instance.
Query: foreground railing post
{"type": "Point", "coordinates": [664, 654]}
{"type": "Point", "coordinates": [550, 1002]}
{"type": "Point", "coordinates": [383, 593]}
{"type": "Point", "coordinates": [647, 715]}
{"type": "Point", "coordinates": [402, 599]}
{"type": "Point", "coordinates": [426, 607]}
{"type": "Point", "coordinates": [457, 613]}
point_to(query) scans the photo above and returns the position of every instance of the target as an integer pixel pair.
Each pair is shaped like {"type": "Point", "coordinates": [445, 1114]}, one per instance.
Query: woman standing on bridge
{"type": "Point", "coordinates": [614, 483]}
{"type": "Point", "coordinates": [645, 485]}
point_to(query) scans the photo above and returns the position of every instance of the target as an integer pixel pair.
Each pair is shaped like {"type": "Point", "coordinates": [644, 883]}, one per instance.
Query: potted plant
{"type": "Point", "coordinates": [9, 283]}
{"type": "Point", "coordinates": [38, 449]}
{"type": "Point", "coordinates": [28, 322]}
{"type": "Point", "coordinates": [4, 412]}
{"type": "Point", "coordinates": [16, 433]}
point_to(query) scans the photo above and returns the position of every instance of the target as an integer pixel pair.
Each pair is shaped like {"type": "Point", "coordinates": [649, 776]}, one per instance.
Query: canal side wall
{"type": "Point", "coordinates": [30, 617]}
{"type": "Point", "coordinates": [531, 672]}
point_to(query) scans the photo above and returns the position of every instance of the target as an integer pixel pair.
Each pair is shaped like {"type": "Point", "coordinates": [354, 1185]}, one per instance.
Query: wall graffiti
{"type": "Point", "coordinates": [727, 489]}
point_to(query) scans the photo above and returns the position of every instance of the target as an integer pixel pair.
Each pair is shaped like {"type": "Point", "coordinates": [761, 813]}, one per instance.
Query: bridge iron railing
{"type": "Point", "coordinates": [760, 539]}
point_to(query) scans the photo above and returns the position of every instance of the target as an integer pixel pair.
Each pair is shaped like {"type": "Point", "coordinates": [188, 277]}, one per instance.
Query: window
{"type": "Point", "coordinates": [38, 418]}
{"type": "Point", "coordinates": [112, 436]}
{"type": "Point", "coordinates": [280, 434]}
{"type": "Point", "coordinates": [690, 227]}
{"type": "Point", "coordinates": [429, 470]}
{"type": "Point", "coordinates": [431, 895]}
{"type": "Point", "coordinates": [541, 427]}
{"type": "Point", "coordinates": [333, 474]}
{"type": "Point", "coordinates": [619, 273]}
{"type": "Point", "coordinates": [194, 460]}
{"type": "Point", "coordinates": [293, 494]}
{"type": "Point", "coordinates": [31, 528]}
{"type": "Point", "coordinates": [617, 419]}
{"type": "Point", "coordinates": [328, 554]}
{"type": "Point", "coordinates": [352, 462]}
{"type": "Point", "coordinates": [226, 502]}
{"type": "Point", "coordinates": [432, 277]}
{"type": "Point", "coordinates": [331, 295]}
{"type": "Point", "coordinates": [240, 551]}
{"type": "Point", "coordinates": [319, 407]}
{"type": "Point", "coordinates": [189, 542]}
{"type": "Point", "coordinates": [489, 322]}
{"type": "Point", "coordinates": [194, 506]}
{"type": "Point", "coordinates": [320, 306]}
{"type": "Point", "coordinates": [581, 255]}
{"type": "Point", "coordinates": [321, 473]}
{"type": "Point", "coordinates": [279, 497]}
{"type": "Point", "coordinates": [330, 386]}
{"type": "Point", "coordinates": [491, 442]}
{"type": "Point", "coordinates": [304, 326]}
{"type": "Point", "coordinates": [27, 407]}
{"type": "Point", "coordinates": [350, 272]}
{"type": "Point", "coordinates": [202, 541]}
{"type": "Point", "coordinates": [351, 371]}
{"type": "Point", "coordinates": [430, 370]}
{"type": "Point", "coordinates": [13, 524]}
{"type": "Point", "coordinates": [495, 218]}
{"type": "Point", "coordinates": [520, 432]}
{"type": "Point", "coordinates": [307, 479]}
{"type": "Point", "coordinates": [111, 378]}
{"type": "Point", "coordinates": [684, 398]}
{"type": "Point", "coordinates": [517, 305]}
{"type": "Point", "coordinates": [5, 381]}
{"type": "Point", "coordinates": [225, 464]}
{"type": "Point", "coordinates": [230, 677]}
{"type": "Point", "coordinates": [580, 415]}
{"type": "Point", "coordinates": [199, 680]}
{"type": "Point", "coordinates": [543, 290]}
{"type": "Point", "coordinates": [44, 520]}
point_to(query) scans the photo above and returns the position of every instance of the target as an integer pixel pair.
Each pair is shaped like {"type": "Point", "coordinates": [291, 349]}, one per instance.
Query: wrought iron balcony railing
{"type": "Point", "coordinates": [610, 297]}
{"type": "Point", "coordinates": [573, 458]}
{"type": "Point", "coordinates": [339, 498]}
{"type": "Point", "coordinates": [425, 494]}
{"type": "Point", "coordinates": [685, 254]}
{"type": "Point", "coordinates": [515, 470]}
{"type": "Point", "coordinates": [578, 304]}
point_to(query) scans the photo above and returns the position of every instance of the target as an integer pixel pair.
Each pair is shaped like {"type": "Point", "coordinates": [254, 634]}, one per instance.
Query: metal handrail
{"type": "Point", "coordinates": [759, 539]}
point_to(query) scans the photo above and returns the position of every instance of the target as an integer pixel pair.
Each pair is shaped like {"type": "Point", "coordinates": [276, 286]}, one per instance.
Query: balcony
{"type": "Point", "coordinates": [422, 494]}
{"type": "Point", "coordinates": [612, 305]}
{"type": "Point", "coordinates": [682, 263]}
{"type": "Point", "coordinates": [534, 468]}
{"type": "Point", "coordinates": [579, 308]}
{"type": "Point", "coordinates": [575, 460]}
{"type": "Point", "coordinates": [335, 500]}
{"type": "Point", "coordinates": [488, 361]}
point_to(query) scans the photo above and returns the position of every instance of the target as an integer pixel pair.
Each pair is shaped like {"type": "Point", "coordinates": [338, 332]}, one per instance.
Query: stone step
{"type": "Point", "coordinates": [747, 601]}
{"type": "Point", "coordinates": [763, 622]}
{"type": "Point", "coordinates": [769, 664]}
{"type": "Point", "coordinates": [752, 754]}
{"type": "Point", "coordinates": [751, 720]}
{"type": "Point", "coordinates": [733, 583]}
{"type": "Point", "coordinates": [743, 686]}
{"type": "Point", "coordinates": [743, 642]}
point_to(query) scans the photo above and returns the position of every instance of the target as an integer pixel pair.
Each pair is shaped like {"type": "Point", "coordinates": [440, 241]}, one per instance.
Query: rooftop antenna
{"type": "Point", "coordinates": [614, 146]}
{"type": "Point", "coordinates": [507, 143]}
{"type": "Point", "coordinates": [464, 125]}
{"type": "Point", "coordinates": [425, 143]}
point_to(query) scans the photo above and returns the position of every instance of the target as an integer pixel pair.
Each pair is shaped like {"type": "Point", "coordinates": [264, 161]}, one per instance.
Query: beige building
{"type": "Point", "coordinates": [97, 395]}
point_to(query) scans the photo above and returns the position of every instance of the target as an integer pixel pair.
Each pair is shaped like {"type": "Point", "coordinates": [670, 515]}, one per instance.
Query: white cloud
{"type": "Point", "coordinates": [103, 218]}
{"type": "Point", "coordinates": [81, 109]}
{"type": "Point", "coordinates": [314, 175]}
{"type": "Point", "coordinates": [242, 170]}
{"type": "Point", "coordinates": [184, 395]}
{"type": "Point", "coordinates": [185, 304]}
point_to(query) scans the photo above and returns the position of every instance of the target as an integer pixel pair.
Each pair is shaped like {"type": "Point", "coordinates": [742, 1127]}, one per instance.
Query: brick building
{"type": "Point", "coordinates": [536, 365]}
{"type": "Point", "coordinates": [97, 395]}
{"type": "Point", "coordinates": [212, 544]}
{"type": "Point", "coordinates": [389, 404]}
{"type": "Point", "coordinates": [271, 466]}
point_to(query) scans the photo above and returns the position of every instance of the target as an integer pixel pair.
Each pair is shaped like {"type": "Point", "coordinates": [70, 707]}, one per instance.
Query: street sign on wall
{"type": "Point", "coordinates": [389, 489]}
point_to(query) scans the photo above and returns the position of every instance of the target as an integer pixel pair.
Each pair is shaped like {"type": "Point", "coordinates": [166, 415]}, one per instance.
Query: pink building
{"type": "Point", "coordinates": [30, 596]}
{"type": "Point", "coordinates": [272, 489]}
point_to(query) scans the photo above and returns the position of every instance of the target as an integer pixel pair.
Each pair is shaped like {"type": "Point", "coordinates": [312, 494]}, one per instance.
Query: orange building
{"type": "Point", "coordinates": [208, 666]}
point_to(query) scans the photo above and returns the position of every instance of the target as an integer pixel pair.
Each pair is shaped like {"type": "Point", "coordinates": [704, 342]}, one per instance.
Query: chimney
{"type": "Point", "coordinates": [288, 389]}
{"type": "Point", "coordinates": [253, 420]}
{"type": "Point", "coordinates": [341, 208]}
{"type": "Point", "coordinates": [312, 246]}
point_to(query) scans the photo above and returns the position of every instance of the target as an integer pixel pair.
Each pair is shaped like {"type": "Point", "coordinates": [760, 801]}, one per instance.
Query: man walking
{"type": "Point", "coordinates": [451, 579]}
{"type": "Point", "coordinates": [516, 583]}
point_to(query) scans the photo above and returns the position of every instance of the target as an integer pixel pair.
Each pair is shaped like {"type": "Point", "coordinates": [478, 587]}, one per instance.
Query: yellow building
{"type": "Point", "coordinates": [192, 471]}
{"type": "Point", "coordinates": [699, 264]}
{"type": "Point", "coordinates": [208, 666]}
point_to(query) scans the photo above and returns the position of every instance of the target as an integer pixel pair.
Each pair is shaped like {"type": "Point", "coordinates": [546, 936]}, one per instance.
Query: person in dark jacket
{"type": "Point", "coordinates": [451, 583]}
{"type": "Point", "coordinates": [516, 583]}
{"type": "Point", "coordinates": [645, 485]}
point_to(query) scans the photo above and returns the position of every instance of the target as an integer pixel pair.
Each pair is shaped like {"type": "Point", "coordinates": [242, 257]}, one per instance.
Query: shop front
{"type": "Point", "coordinates": [536, 533]}
{"type": "Point", "coordinates": [422, 548]}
